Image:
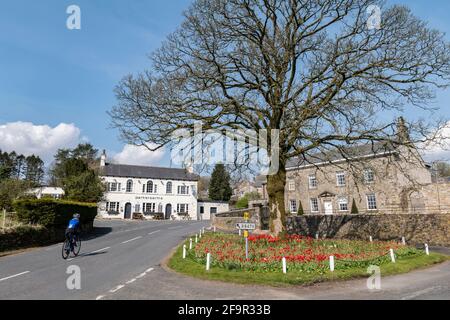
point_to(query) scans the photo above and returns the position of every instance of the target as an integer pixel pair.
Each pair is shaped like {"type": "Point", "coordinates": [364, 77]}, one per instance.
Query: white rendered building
{"type": "Point", "coordinates": [152, 192]}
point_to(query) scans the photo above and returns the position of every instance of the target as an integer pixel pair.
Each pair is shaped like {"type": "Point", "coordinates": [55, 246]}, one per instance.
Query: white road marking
{"type": "Point", "coordinates": [154, 232]}
{"type": "Point", "coordinates": [141, 275]}
{"type": "Point", "coordinates": [421, 292]}
{"type": "Point", "coordinates": [99, 297]}
{"type": "Point", "coordinates": [132, 239]}
{"type": "Point", "coordinates": [15, 275]}
{"type": "Point", "coordinates": [149, 269]}
{"type": "Point", "coordinates": [117, 288]}
{"type": "Point", "coordinates": [100, 250]}
{"type": "Point", "coordinates": [131, 281]}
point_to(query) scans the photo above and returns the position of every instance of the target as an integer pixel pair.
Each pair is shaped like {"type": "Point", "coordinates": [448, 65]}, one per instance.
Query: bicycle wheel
{"type": "Point", "coordinates": [66, 249]}
{"type": "Point", "coordinates": [77, 247]}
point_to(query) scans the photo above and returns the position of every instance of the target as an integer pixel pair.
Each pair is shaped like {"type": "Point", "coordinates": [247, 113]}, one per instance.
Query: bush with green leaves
{"type": "Point", "coordinates": [53, 213]}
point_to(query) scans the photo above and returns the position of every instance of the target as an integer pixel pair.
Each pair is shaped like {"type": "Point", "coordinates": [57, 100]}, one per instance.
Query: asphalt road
{"type": "Point", "coordinates": [123, 262]}
{"type": "Point", "coordinates": [125, 251]}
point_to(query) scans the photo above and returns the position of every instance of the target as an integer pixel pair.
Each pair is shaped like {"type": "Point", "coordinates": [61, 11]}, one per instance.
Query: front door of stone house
{"type": "Point", "coordinates": [127, 214]}
{"type": "Point", "coordinates": [328, 207]}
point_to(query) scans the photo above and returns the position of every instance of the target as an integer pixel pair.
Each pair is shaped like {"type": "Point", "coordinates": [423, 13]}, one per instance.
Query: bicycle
{"type": "Point", "coordinates": [71, 244]}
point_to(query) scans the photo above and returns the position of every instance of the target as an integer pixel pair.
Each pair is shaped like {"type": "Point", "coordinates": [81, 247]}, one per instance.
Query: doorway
{"type": "Point", "coordinates": [328, 207]}
{"type": "Point", "coordinates": [127, 214]}
{"type": "Point", "coordinates": [168, 212]}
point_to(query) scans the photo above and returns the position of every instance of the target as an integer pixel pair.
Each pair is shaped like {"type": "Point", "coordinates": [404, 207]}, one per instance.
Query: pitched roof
{"type": "Point", "coordinates": [128, 171]}
{"type": "Point", "coordinates": [354, 152]}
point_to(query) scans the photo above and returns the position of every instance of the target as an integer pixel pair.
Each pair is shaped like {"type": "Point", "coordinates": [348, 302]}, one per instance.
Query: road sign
{"type": "Point", "coordinates": [246, 226]}
{"type": "Point", "coordinates": [246, 215]}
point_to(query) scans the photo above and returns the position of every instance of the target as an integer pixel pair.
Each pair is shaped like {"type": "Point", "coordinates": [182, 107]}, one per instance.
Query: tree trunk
{"type": "Point", "coordinates": [275, 190]}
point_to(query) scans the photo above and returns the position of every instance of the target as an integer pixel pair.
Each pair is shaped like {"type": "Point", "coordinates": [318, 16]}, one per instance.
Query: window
{"type": "Point", "coordinates": [314, 205]}
{"type": "Point", "coordinates": [112, 206]}
{"type": "Point", "coordinates": [312, 181]}
{"type": "Point", "coordinates": [202, 210]}
{"type": "Point", "coordinates": [149, 207]}
{"type": "Point", "coordinates": [291, 185]}
{"type": "Point", "coordinates": [293, 206]}
{"type": "Point", "coordinates": [182, 208]}
{"type": "Point", "coordinates": [150, 187]}
{"type": "Point", "coordinates": [371, 202]}
{"type": "Point", "coordinates": [340, 179]}
{"type": "Point", "coordinates": [137, 208]}
{"type": "Point", "coordinates": [213, 210]}
{"type": "Point", "coordinates": [129, 186]}
{"type": "Point", "coordinates": [169, 187]}
{"type": "Point", "coordinates": [369, 176]}
{"type": "Point", "coordinates": [343, 204]}
{"type": "Point", "coordinates": [183, 190]}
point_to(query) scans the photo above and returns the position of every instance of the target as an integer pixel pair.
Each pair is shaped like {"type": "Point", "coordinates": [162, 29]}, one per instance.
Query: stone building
{"type": "Point", "coordinates": [371, 178]}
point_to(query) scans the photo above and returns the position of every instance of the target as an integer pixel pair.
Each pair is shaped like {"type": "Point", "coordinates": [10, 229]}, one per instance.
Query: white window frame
{"type": "Point", "coordinates": [366, 172]}
{"type": "Point", "coordinates": [149, 186]}
{"type": "Point", "coordinates": [129, 186]}
{"type": "Point", "coordinates": [293, 206]}
{"type": "Point", "coordinates": [339, 175]}
{"type": "Point", "coordinates": [312, 181]}
{"type": "Point", "coordinates": [343, 201]}
{"type": "Point", "coordinates": [291, 185]}
{"type": "Point", "coordinates": [312, 206]}
{"type": "Point", "coordinates": [373, 201]}
{"type": "Point", "coordinates": [183, 208]}
{"type": "Point", "coordinates": [182, 189]}
{"type": "Point", "coordinates": [169, 187]}
{"type": "Point", "coordinates": [151, 206]}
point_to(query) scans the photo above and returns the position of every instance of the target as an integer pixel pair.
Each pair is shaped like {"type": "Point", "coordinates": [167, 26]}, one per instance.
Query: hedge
{"type": "Point", "coordinates": [26, 236]}
{"type": "Point", "coordinates": [51, 213]}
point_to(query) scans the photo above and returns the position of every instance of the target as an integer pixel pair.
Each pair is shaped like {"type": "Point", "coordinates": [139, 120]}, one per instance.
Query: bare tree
{"type": "Point", "coordinates": [312, 69]}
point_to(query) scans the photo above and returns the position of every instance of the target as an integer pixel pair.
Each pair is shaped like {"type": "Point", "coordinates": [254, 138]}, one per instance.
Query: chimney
{"type": "Point", "coordinates": [103, 159]}
{"type": "Point", "coordinates": [402, 131]}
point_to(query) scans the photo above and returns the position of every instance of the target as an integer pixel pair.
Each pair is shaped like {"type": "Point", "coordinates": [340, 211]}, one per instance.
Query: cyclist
{"type": "Point", "coordinates": [73, 230]}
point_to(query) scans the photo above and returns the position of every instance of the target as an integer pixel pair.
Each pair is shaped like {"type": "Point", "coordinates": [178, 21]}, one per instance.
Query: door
{"type": "Point", "coordinates": [168, 212]}
{"type": "Point", "coordinates": [328, 206]}
{"type": "Point", "coordinates": [127, 211]}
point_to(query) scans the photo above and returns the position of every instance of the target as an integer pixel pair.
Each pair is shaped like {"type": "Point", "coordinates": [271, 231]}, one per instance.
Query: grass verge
{"type": "Point", "coordinates": [277, 278]}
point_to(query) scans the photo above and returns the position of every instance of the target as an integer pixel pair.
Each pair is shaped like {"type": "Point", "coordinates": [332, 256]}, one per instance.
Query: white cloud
{"type": "Point", "coordinates": [440, 149]}
{"type": "Point", "coordinates": [27, 138]}
{"type": "Point", "coordinates": [138, 155]}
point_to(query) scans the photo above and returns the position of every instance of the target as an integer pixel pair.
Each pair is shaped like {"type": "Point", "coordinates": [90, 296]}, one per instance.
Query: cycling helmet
{"type": "Point", "coordinates": [76, 216]}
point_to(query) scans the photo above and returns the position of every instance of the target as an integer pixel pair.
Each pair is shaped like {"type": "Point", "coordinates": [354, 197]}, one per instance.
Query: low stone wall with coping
{"type": "Point", "coordinates": [433, 229]}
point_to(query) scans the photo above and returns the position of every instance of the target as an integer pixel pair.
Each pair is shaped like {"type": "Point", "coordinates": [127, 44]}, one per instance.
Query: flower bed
{"type": "Point", "coordinates": [301, 253]}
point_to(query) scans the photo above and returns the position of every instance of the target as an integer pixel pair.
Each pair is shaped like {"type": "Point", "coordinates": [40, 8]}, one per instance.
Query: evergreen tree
{"type": "Point", "coordinates": [354, 208]}
{"type": "Point", "coordinates": [34, 170]}
{"type": "Point", "coordinates": [300, 211]}
{"type": "Point", "coordinates": [219, 186]}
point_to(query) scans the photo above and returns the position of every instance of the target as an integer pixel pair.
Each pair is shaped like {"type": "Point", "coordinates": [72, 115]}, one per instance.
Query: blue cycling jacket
{"type": "Point", "coordinates": [74, 224]}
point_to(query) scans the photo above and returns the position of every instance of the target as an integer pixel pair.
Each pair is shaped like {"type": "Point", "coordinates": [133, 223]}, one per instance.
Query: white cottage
{"type": "Point", "coordinates": [150, 192]}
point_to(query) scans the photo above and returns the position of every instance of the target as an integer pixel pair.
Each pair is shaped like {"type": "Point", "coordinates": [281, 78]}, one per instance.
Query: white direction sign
{"type": "Point", "coordinates": [246, 226]}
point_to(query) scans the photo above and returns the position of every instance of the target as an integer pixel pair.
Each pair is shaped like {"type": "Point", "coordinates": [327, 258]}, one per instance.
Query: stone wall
{"type": "Point", "coordinates": [227, 221]}
{"type": "Point", "coordinates": [433, 229]}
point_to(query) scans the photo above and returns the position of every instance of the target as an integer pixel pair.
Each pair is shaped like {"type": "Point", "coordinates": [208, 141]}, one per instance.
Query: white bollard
{"type": "Point", "coordinates": [404, 241]}
{"type": "Point", "coordinates": [239, 232]}
{"type": "Point", "coordinates": [208, 260]}
{"type": "Point", "coordinates": [200, 234]}
{"type": "Point", "coordinates": [203, 230]}
{"type": "Point", "coordinates": [196, 238]}
{"type": "Point", "coordinates": [392, 255]}
{"type": "Point", "coordinates": [184, 251]}
{"type": "Point", "coordinates": [283, 262]}
{"type": "Point", "coordinates": [317, 236]}
{"type": "Point", "coordinates": [332, 263]}
{"type": "Point", "coordinates": [214, 229]}
{"type": "Point", "coordinates": [370, 239]}
{"type": "Point", "coordinates": [427, 251]}
{"type": "Point", "coordinates": [190, 244]}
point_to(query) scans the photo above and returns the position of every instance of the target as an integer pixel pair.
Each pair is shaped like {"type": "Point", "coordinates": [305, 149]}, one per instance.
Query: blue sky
{"type": "Point", "coordinates": [51, 75]}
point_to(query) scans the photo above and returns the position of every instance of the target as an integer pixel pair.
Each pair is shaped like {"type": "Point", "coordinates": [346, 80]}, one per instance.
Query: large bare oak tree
{"type": "Point", "coordinates": [313, 69]}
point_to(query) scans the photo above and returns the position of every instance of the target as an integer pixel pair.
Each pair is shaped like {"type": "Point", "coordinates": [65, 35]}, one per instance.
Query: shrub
{"type": "Point", "coordinates": [300, 211]}
{"type": "Point", "coordinates": [53, 213]}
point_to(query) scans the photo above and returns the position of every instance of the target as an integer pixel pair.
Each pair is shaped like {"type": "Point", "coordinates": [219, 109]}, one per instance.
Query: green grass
{"type": "Point", "coordinates": [277, 278]}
